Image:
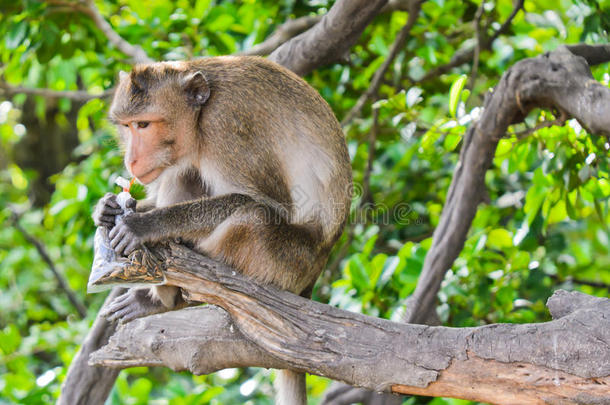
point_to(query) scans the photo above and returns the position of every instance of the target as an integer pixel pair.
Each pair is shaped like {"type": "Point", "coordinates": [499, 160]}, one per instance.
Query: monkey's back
{"type": "Point", "coordinates": [293, 148]}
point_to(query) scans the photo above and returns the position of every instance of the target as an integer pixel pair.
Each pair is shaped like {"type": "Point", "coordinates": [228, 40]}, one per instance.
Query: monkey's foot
{"type": "Point", "coordinates": [135, 303]}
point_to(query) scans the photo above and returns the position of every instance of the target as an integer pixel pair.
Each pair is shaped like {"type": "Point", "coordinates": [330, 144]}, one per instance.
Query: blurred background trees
{"type": "Point", "coordinates": [544, 225]}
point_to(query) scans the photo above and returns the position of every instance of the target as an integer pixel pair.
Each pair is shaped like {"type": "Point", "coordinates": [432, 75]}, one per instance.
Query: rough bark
{"type": "Point", "coordinates": [567, 359]}
{"type": "Point", "coordinates": [294, 27]}
{"type": "Point", "coordinates": [330, 39]}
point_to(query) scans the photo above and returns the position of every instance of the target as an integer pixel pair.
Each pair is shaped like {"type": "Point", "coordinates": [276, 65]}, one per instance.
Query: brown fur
{"type": "Point", "coordinates": [256, 111]}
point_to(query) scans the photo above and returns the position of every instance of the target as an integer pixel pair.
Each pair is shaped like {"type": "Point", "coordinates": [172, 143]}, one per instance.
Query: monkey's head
{"type": "Point", "coordinates": [156, 108]}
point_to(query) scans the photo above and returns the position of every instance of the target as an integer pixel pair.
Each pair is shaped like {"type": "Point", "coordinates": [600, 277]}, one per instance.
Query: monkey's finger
{"type": "Point", "coordinates": [131, 246]}
{"type": "Point", "coordinates": [121, 300]}
{"type": "Point", "coordinates": [112, 316]}
{"type": "Point", "coordinates": [121, 248]}
{"type": "Point", "coordinates": [116, 305]}
{"type": "Point", "coordinates": [117, 315]}
{"type": "Point", "coordinates": [131, 203]}
{"type": "Point", "coordinates": [109, 197]}
{"type": "Point", "coordinates": [115, 233]}
{"type": "Point", "coordinates": [107, 218]}
{"type": "Point", "coordinates": [128, 313]}
{"type": "Point", "coordinates": [111, 204]}
{"type": "Point", "coordinates": [112, 211]}
{"type": "Point", "coordinates": [104, 223]}
{"type": "Point", "coordinates": [107, 225]}
{"type": "Point", "coordinates": [116, 241]}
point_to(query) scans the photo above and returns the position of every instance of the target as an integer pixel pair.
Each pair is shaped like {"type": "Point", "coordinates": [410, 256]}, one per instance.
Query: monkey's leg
{"type": "Point", "coordinates": [271, 251]}
{"type": "Point", "coordinates": [262, 245]}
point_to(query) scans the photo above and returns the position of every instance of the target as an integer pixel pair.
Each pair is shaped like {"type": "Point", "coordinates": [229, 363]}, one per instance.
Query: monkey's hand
{"type": "Point", "coordinates": [135, 303]}
{"type": "Point", "coordinates": [107, 209]}
{"type": "Point", "coordinates": [124, 238]}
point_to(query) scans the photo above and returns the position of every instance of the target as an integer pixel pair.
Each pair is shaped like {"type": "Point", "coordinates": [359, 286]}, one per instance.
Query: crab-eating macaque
{"type": "Point", "coordinates": [240, 158]}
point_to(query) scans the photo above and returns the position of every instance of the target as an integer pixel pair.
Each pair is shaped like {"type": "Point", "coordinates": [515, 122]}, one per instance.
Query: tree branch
{"type": "Point", "coordinates": [366, 199]}
{"type": "Point", "coordinates": [267, 327]}
{"type": "Point", "coordinates": [397, 45]}
{"type": "Point", "coordinates": [477, 48]}
{"type": "Point", "coordinates": [85, 385]}
{"type": "Point", "coordinates": [330, 39]}
{"type": "Point", "coordinates": [559, 80]}
{"type": "Point", "coordinates": [594, 54]}
{"type": "Point", "coordinates": [283, 33]}
{"type": "Point", "coordinates": [61, 281]}
{"type": "Point", "coordinates": [88, 8]}
{"type": "Point", "coordinates": [294, 27]}
{"type": "Point", "coordinates": [461, 57]}
{"type": "Point", "coordinates": [75, 95]}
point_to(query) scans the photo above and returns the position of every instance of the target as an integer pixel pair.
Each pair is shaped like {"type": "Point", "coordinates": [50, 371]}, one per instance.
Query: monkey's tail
{"type": "Point", "coordinates": [290, 388]}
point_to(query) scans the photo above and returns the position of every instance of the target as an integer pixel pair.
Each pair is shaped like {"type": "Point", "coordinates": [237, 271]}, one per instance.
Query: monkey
{"type": "Point", "coordinates": [242, 159]}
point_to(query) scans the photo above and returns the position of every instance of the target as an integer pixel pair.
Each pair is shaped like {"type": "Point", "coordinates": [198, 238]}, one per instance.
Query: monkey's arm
{"type": "Point", "coordinates": [186, 219]}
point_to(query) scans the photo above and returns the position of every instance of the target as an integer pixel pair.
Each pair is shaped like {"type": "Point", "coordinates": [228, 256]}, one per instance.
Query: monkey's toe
{"type": "Point", "coordinates": [135, 303]}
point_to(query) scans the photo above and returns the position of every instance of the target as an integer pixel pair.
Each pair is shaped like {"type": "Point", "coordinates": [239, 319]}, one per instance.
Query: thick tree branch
{"type": "Point", "coordinates": [88, 8]}
{"type": "Point", "coordinates": [294, 27]}
{"type": "Point", "coordinates": [268, 327]}
{"type": "Point", "coordinates": [330, 39]}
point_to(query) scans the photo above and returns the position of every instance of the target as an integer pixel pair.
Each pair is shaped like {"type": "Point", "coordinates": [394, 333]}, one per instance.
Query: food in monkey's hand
{"type": "Point", "coordinates": [109, 269]}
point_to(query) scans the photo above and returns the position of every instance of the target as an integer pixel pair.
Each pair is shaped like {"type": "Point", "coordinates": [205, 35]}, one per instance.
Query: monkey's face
{"type": "Point", "coordinates": [155, 109]}
{"type": "Point", "coordinates": [148, 146]}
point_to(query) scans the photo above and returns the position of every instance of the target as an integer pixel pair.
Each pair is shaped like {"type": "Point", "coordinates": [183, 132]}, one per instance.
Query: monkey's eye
{"type": "Point", "coordinates": [143, 124]}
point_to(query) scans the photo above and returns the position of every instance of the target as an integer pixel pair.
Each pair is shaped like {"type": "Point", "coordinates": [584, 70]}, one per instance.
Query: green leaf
{"type": "Point", "coordinates": [451, 142]}
{"type": "Point", "coordinates": [10, 339]}
{"type": "Point", "coordinates": [557, 213]}
{"type": "Point", "coordinates": [16, 34]}
{"type": "Point", "coordinates": [221, 23]}
{"type": "Point", "coordinates": [454, 94]}
{"type": "Point", "coordinates": [499, 239]}
{"type": "Point", "coordinates": [391, 264]}
{"type": "Point", "coordinates": [358, 273]}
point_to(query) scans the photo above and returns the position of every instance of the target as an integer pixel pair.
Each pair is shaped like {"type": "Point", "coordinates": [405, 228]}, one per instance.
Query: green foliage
{"type": "Point", "coordinates": [543, 227]}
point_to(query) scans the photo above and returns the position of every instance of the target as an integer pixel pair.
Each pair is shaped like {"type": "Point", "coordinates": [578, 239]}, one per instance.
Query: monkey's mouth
{"type": "Point", "coordinates": [149, 176]}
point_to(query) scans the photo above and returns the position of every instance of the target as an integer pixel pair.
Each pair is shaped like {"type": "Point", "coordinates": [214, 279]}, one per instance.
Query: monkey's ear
{"type": "Point", "coordinates": [196, 87]}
